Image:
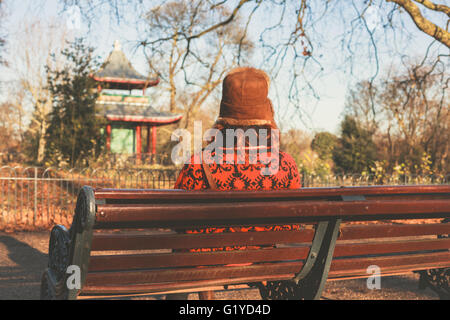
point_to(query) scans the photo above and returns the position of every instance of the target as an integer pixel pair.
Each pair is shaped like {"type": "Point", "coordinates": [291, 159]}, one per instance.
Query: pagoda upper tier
{"type": "Point", "coordinates": [118, 73]}
{"type": "Point", "coordinates": [133, 109]}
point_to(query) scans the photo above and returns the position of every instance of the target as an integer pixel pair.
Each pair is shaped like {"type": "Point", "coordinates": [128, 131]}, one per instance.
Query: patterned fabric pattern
{"type": "Point", "coordinates": [245, 176]}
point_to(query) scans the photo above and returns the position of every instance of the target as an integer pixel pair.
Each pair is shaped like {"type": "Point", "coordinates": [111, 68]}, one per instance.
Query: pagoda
{"type": "Point", "coordinates": [129, 117]}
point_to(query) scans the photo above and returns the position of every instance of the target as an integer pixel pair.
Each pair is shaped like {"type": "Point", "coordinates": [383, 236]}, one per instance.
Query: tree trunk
{"type": "Point", "coordinates": [42, 142]}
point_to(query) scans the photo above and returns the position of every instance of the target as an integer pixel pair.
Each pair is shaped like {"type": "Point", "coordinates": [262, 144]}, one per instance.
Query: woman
{"type": "Point", "coordinates": [245, 105]}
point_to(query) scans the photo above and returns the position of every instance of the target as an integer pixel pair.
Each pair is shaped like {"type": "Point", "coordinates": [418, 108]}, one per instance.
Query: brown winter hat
{"type": "Point", "coordinates": [244, 99]}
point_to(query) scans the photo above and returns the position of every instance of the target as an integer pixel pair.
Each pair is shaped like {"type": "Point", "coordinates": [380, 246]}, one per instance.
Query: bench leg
{"type": "Point", "coordinates": [47, 290]}
{"type": "Point", "coordinates": [70, 247]}
{"type": "Point", "coordinates": [309, 283]}
{"type": "Point", "coordinates": [53, 284]}
{"type": "Point", "coordinates": [50, 288]}
{"type": "Point", "coordinates": [81, 236]}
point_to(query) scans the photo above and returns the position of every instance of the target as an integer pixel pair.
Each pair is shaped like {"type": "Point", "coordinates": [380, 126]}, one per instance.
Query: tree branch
{"type": "Point", "coordinates": [435, 7]}
{"type": "Point", "coordinates": [223, 23]}
{"type": "Point", "coordinates": [422, 23]}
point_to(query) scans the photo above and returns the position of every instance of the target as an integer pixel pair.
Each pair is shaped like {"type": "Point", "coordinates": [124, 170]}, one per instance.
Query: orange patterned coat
{"type": "Point", "coordinates": [245, 176]}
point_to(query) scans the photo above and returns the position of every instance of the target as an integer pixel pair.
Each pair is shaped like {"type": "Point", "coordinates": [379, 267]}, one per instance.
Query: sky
{"type": "Point", "coordinates": [320, 111]}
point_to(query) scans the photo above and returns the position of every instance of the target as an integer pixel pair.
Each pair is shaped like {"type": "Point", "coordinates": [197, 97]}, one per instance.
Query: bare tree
{"type": "Point", "coordinates": [412, 115]}
{"type": "Point", "coordinates": [417, 14]}
{"type": "Point", "coordinates": [31, 51]}
{"type": "Point", "coordinates": [292, 37]}
{"type": "Point", "coordinates": [360, 105]}
{"type": "Point", "coordinates": [419, 106]}
{"type": "Point", "coordinates": [2, 35]}
{"type": "Point", "coordinates": [10, 123]}
{"type": "Point", "coordinates": [191, 79]}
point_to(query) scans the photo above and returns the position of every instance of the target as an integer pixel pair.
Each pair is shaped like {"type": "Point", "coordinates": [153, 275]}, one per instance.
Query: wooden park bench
{"type": "Point", "coordinates": [128, 242]}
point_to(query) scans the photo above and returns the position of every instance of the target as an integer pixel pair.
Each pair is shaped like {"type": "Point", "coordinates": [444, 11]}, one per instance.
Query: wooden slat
{"type": "Point", "coordinates": [232, 196]}
{"type": "Point", "coordinates": [358, 266]}
{"type": "Point", "coordinates": [178, 286]}
{"type": "Point", "coordinates": [172, 260]}
{"type": "Point", "coordinates": [409, 197]}
{"type": "Point", "coordinates": [391, 247]}
{"type": "Point", "coordinates": [133, 241]}
{"type": "Point", "coordinates": [183, 259]}
{"type": "Point", "coordinates": [188, 241]}
{"type": "Point", "coordinates": [281, 212]}
{"type": "Point", "coordinates": [189, 274]}
{"type": "Point", "coordinates": [393, 230]}
{"type": "Point", "coordinates": [144, 279]}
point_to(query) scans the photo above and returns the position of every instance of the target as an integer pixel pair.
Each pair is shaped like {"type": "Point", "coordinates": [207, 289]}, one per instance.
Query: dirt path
{"type": "Point", "coordinates": [23, 257]}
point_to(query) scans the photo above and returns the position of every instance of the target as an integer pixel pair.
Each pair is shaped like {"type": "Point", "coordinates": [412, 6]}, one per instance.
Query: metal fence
{"type": "Point", "coordinates": [35, 198]}
{"type": "Point", "coordinates": [371, 180]}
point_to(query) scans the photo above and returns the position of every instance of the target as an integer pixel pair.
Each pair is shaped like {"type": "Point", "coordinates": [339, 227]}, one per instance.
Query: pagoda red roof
{"type": "Point", "coordinates": [118, 73]}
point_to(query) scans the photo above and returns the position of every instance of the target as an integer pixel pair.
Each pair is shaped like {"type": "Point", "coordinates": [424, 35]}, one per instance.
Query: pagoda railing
{"type": "Point", "coordinates": [124, 160]}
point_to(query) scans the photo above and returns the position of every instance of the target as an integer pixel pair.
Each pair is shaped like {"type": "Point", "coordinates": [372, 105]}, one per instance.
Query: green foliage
{"type": "Point", "coordinates": [381, 173]}
{"type": "Point", "coordinates": [298, 144]}
{"type": "Point", "coordinates": [311, 166]}
{"type": "Point", "coordinates": [324, 143]}
{"type": "Point", "coordinates": [74, 133]}
{"type": "Point", "coordinates": [355, 151]}
{"type": "Point", "coordinates": [30, 145]}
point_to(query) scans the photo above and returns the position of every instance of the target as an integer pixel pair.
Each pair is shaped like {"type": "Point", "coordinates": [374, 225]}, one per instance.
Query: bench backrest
{"type": "Point", "coordinates": [127, 240]}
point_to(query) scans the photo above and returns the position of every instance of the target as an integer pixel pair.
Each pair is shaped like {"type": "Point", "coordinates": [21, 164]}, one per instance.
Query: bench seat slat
{"type": "Point", "coordinates": [180, 285]}
{"type": "Point", "coordinates": [180, 259]}
{"type": "Point", "coordinates": [339, 268]}
{"type": "Point", "coordinates": [390, 247]}
{"type": "Point", "coordinates": [150, 261]}
{"type": "Point", "coordinates": [190, 274]}
{"type": "Point", "coordinates": [130, 241]}
{"type": "Point", "coordinates": [188, 241]}
{"type": "Point", "coordinates": [352, 267]}
{"type": "Point", "coordinates": [393, 230]}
